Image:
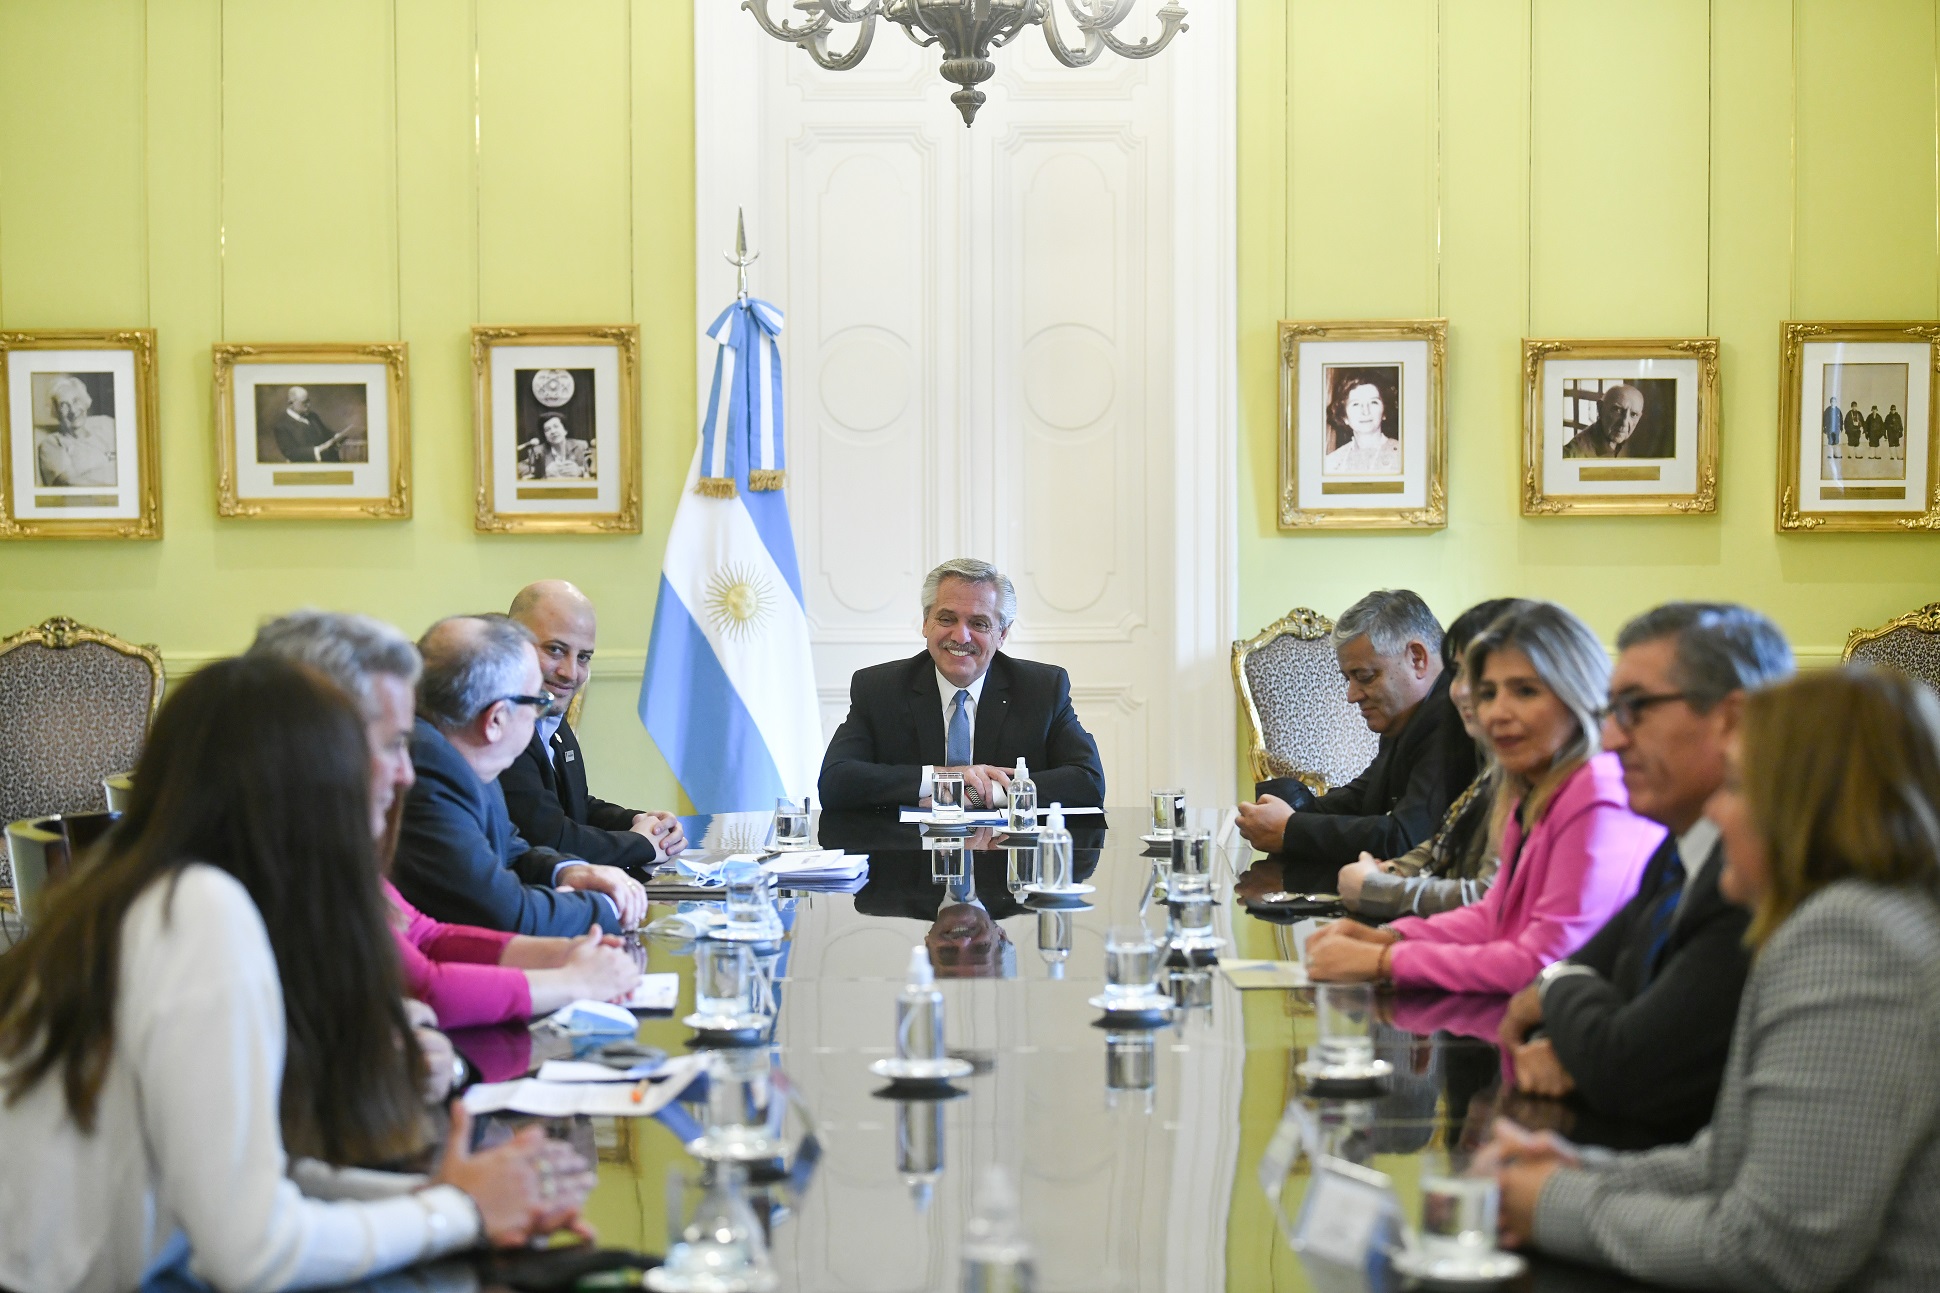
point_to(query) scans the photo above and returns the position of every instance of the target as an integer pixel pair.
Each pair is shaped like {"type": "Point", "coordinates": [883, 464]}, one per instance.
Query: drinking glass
{"type": "Point", "coordinates": [722, 1247]}
{"type": "Point", "coordinates": [1343, 1014]}
{"type": "Point", "coordinates": [1168, 813]}
{"type": "Point", "coordinates": [1131, 1062]}
{"type": "Point", "coordinates": [1131, 962]}
{"type": "Point", "coordinates": [1189, 896]}
{"type": "Point", "coordinates": [721, 980]}
{"type": "Point", "coordinates": [946, 795]}
{"type": "Point", "coordinates": [1458, 1215]}
{"type": "Point", "coordinates": [750, 909]}
{"type": "Point", "coordinates": [742, 1109]}
{"type": "Point", "coordinates": [791, 824]}
{"type": "Point", "coordinates": [946, 858]}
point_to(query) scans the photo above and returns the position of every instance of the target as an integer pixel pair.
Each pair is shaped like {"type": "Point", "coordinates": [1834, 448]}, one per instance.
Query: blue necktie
{"type": "Point", "coordinates": [1664, 912]}
{"type": "Point", "coordinates": [956, 743]}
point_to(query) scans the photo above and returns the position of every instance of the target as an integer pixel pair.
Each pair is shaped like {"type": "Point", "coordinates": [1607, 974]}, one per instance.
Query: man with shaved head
{"type": "Point", "coordinates": [545, 787]}
{"type": "Point", "coordinates": [1618, 412]}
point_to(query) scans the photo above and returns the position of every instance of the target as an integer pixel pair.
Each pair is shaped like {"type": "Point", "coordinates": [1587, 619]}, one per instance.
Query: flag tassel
{"type": "Point", "coordinates": [717, 487]}
{"type": "Point", "coordinates": [765, 479]}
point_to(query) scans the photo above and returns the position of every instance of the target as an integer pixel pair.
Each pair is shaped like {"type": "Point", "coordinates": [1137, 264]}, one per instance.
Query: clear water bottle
{"type": "Point", "coordinates": [1023, 799]}
{"type": "Point", "coordinates": [919, 1011]}
{"type": "Point", "coordinates": [996, 1255]}
{"type": "Point", "coordinates": [1054, 853]}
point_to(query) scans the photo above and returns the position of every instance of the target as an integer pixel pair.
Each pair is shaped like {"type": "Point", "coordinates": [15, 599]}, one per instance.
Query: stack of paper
{"type": "Point", "coordinates": [807, 869]}
{"type": "Point", "coordinates": [981, 816]}
{"type": "Point", "coordinates": [606, 1098]}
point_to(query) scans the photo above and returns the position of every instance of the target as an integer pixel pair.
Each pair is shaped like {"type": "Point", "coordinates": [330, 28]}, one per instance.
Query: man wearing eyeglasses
{"type": "Point", "coordinates": [459, 858]}
{"type": "Point", "coordinates": [1637, 1023]}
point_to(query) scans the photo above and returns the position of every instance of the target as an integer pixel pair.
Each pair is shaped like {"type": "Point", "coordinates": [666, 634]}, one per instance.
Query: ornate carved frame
{"type": "Point", "coordinates": [1924, 620]}
{"type": "Point", "coordinates": [394, 355]}
{"type": "Point", "coordinates": [1303, 625]}
{"type": "Point", "coordinates": [147, 523]}
{"type": "Point", "coordinates": [1793, 336]}
{"type": "Point", "coordinates": [1536, 354]}
{"type": "Point", "coordinates": [625, 338]}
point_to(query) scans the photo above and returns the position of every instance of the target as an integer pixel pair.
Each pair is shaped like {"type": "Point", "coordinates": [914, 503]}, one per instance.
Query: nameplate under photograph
{"type": "Point", "coordinates": [80, 459]}
{"type": "Point", "coordinates": [1855, 444]}
{"type": "Point", "coordinates": [1361, 443]}
{"type": "Point", "coordinates": [313, 431]}
{"type": "Point", "coordinates": [558, 429]}
{"type": "Point", "coordinates": [1620, 427]}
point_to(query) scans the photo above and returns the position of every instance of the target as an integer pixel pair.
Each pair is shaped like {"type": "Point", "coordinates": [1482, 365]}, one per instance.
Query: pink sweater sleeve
{"type": "Point", "coordinates": [1587, 872]}
{"type": "Point", "coordinates": [453, 969]}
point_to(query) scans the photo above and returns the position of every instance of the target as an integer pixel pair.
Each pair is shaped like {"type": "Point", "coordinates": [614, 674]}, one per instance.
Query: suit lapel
{"type": "Point", "coordinates": [992, 708]}
{"type": "Point", "coordinates": [925, 710]}
{"type": "Point", "coordinates": [571, 772]}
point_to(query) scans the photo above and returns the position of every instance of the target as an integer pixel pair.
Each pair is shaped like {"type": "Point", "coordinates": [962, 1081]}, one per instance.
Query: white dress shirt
{"type": "Point", "coordinates": [187, 1142]}
{"type": "Point", "coordinates": [948, 690]}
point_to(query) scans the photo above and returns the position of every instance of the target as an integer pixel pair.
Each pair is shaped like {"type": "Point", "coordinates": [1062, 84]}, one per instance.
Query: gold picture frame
{"type": "Point", "coordinates": [261, 440]}
{"type": "Point", "coordinates": [527, 479]}
{"type": "Point", "coordinates": [1670, 406]}
{"type": "Point", "coordinates": [1389, 474]}
{"type": "Point", "coordinates": [1855, 481]}
{"type": "Point", "coordinates": [108, 381]}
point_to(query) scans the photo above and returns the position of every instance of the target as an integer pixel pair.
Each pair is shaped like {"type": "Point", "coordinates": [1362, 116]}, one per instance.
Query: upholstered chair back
{"type": "Point", "coordinates": [1295, 702]}
{"type": "Point", "coordinates": [1910, 644]}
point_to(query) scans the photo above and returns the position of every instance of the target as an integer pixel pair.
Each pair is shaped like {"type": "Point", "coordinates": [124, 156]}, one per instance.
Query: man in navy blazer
{"type": "Point", "coordinates": [961, 706]}
{"type": "Point", "coordinates": [459, 858]}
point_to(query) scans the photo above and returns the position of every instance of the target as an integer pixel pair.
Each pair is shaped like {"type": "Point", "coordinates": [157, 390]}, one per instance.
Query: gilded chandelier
{"type": "Point", "coordinates": [968, 30]}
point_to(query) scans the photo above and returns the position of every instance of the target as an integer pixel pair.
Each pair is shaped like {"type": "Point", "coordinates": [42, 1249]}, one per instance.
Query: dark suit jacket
{"type": "Point", "coordinates": [298, 438]}
{"type": "Point", "coordinates": [546, 796]}
{"type": "Point", "coordinates": [460, 860]}
{"type": "Point", "coordinates": [1387, 810]}
{"type": "Point", "coordinates": [1654, 1054]}
{"type": "Point", "coordinates": [895, 727]}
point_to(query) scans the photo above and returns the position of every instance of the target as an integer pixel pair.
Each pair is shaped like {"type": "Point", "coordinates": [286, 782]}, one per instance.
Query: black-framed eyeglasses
{"type": "Point", "coordinates": [1628, 708]}
{"type": "Point", "coordinates": [541, 704]}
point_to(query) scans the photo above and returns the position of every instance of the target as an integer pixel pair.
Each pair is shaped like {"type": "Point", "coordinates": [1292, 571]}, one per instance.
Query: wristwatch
{"type": "Point", "coordinates": [1558, 970]}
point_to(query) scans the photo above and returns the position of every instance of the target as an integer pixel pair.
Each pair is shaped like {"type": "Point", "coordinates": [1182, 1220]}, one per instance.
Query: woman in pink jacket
{"type": "Point", "coordinates": [1571, 848]}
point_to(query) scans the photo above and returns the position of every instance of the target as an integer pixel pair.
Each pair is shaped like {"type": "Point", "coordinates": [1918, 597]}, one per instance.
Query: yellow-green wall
{"type": "Point", "coordinates": [339, 170]}
{"type": "Point", "coordinates": [1584, 168]}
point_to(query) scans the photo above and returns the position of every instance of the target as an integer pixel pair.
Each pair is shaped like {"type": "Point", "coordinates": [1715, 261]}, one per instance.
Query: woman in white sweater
{"type": "Point", "coordinates": [219, 995]}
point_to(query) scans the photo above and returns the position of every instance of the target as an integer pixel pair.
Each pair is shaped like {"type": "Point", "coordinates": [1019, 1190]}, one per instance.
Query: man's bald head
{"type": "Point", "coordinates": [561, 620]}
{"type": "Point", "coordinates": [1621, 408]}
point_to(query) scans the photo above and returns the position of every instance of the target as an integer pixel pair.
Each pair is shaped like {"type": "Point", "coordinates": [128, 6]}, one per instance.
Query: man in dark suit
{"type": "Point", "coordinates": [1389, 647]}
{"type": "Point", "coordinates": [961, 706]}
{"type": "Point", "coordinates": [1637, 1022]}
{"type": "Point", "coordinates": [459, 858]}
{"type": "Point", "coordinates": [545, 787]}
{"type": "Point", "coordinates": [301, 435]}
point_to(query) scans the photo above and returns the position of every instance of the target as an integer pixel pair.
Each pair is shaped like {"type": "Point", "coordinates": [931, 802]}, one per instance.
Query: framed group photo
{"type": "Point", "coordinates": [557, 426]}
{"type": "Point", "coordinates": [1620, 428]}
{"type": "Point", "coordinates": [1361, 438]}
{"type": "Point", "coordinates": [313, 431]}
{"type": "Point", "coordinates": [80, 457]}
{"type": "Point", "coordinates": [1855, 436]}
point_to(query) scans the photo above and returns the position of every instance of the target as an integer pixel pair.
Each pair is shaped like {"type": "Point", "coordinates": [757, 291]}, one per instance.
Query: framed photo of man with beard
{"type": "Point", "coordinates": [80, 458]}
{"type": "Point", "coordinates": [1855, 433]}
{"type": "Point", "coordinates": [1620, 427]}
{"type": "Point", "coordinates": [1361, 439]}
{"type": "Point", "coordinates": [313, 431]}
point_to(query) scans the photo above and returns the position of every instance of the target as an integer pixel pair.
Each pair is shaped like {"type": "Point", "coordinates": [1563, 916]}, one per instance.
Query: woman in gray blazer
{"type": "Point", "coordinates": [1821, 1166]}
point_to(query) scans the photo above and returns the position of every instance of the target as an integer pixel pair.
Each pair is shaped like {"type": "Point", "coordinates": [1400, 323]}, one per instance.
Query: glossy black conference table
{"type": "Point", "coordinates": [1124, 1186]}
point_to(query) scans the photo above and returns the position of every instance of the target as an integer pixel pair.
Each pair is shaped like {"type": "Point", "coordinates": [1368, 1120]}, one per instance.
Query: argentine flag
{"type": "Point", "coordinates": [729, 692]}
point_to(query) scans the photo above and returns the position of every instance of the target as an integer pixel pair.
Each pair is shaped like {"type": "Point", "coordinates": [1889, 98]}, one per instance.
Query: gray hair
{"type": "Point", "coordinates": [68, 382]}
{"type": "Point", "coordinates": [1721, 648]}
{"type": "Point", "coordinates": [972, 571]}
{"type": "Point", "coordinates": [1389, 618]}
{"type": "Point", "coordinates": [470, 661]}
{"type": "Point", "coordinates": [350, 650]}
{"type": "Point", "coordinates": [1567, 658]}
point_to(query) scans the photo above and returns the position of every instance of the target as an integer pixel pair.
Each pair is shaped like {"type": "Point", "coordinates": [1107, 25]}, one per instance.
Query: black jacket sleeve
{"type": "Point", "coordinates": [1659, 1057]}
{"type": "Point", "coordinates": [537, 813]}
{"type": "Point", "coordinates": [850, 776]}
{"type": "Point", "coordinates": [1072, 773]}
{"type": "Point", "coordinates": [1345, 823]}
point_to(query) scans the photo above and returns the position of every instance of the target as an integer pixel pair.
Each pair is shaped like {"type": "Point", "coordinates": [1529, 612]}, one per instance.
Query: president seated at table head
{"type": "Point", "coordinates": [961, 705]}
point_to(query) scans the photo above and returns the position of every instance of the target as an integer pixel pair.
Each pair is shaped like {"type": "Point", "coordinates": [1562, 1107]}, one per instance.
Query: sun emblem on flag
{"type": "Point", "coordinates": [739, 601]}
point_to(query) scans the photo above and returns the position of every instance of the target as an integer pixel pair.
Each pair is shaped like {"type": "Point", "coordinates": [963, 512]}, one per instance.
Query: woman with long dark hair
{"type": "Point", "coordinates": [218, 994]}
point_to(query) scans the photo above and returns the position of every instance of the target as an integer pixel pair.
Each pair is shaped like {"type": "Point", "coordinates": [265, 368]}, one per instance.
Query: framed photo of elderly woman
{"type": "Point", "coordinates": [1361, 441]}
{"type": "Point", "coordinates": [1620, 427]}
{"type": "Point", "coordinates": [1855, 426]}
{"type": "Point", "coordinates": [313, 431]}
{"type": "Point", "coordinates": [79, 459]}
{"type": "Point", "coordinates": [557, 429]}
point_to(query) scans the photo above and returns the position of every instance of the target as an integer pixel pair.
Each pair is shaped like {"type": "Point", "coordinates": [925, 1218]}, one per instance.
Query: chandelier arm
{"type": "Point", "coordinates": [921, 42]}
{"type": "Point", "coordinates": [841, 11]}
{"type": "Point", "coordinates": [781, 30]}
{"type": "Point", "coordinates": [1172, 18]}
{"type": "Point", "coordinates": [1103, 19]}
{"type": "Point", "coordinates": [1084, 56]}
{"type": "Point", "coordinates": [818, 47]}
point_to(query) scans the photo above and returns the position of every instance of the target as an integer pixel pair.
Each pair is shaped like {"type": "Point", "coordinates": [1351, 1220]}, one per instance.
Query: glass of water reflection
{"type": "Point", "coordinates": [946, 794]}
{"type": "Point", "coordinates": [1343, 1014]}
{"type": "Point", "coordinates": [1458, 1214]}
{"type": "Point", "coordinates": [1131, 961]}
{"type": "Point", "coordinates": [721, 980]}
{"type": "Point", "coordinates": [791, 824]}
{"type": "Point", "coordinates": [1168, 813]}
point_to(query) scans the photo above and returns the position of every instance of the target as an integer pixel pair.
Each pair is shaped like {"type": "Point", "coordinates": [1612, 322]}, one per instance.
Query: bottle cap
{"type": "Point", "coordinates": [921, 975]}
{"type": "Point", "coordinates": [1054, 821]}
{"type": "Point", "coordinates": [1020, 765]}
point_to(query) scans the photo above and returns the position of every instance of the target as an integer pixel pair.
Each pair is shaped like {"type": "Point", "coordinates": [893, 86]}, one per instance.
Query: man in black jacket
{"type": "Point", "coordinates": [1638, 1021]}
{"type": "Point", "coordinates": [459, 859]}
{"type": "Point", "coordinates": [961, 706]}
{"type": "Point", "coordinates": [1389, 647]}
{"type": "Point", "coordinates": [545, 787]}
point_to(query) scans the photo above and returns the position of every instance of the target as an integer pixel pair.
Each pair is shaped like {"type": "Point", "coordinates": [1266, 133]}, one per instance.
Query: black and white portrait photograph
{"type": "Point", "coordinates": [1855, 425]}
{"type": "Point", "coordinates": [1361, 444]}
{"type": "Point", "coordinates": [1620, 427]}
{"type": "Point", "coordinates": [322, 422]}
{"type": "Point", "coordinates": [556, 428]}
{"type": "Point", "coordinates": [80, 435]}
{"type": "Point", "coordinates": [313, 431]}
{"type": "Point", "coordinates": [74, 429]}
{"type": "Point", "coordinates": [1363, 420]}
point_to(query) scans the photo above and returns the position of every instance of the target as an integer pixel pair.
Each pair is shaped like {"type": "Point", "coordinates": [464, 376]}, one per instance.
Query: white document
{"type": "Point", "coordinates": [589, 1071]}
{"type": "Point", "coordinates": [622, 1099]}
{"type": "Point", "coordinates": [654, 992]}
{"type": "Point", "coordinates": [983, 816]}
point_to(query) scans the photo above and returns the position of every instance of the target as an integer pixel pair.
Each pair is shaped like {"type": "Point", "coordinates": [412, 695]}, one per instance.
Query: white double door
{"type": "Point", "coordinates": [1010, 342]}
